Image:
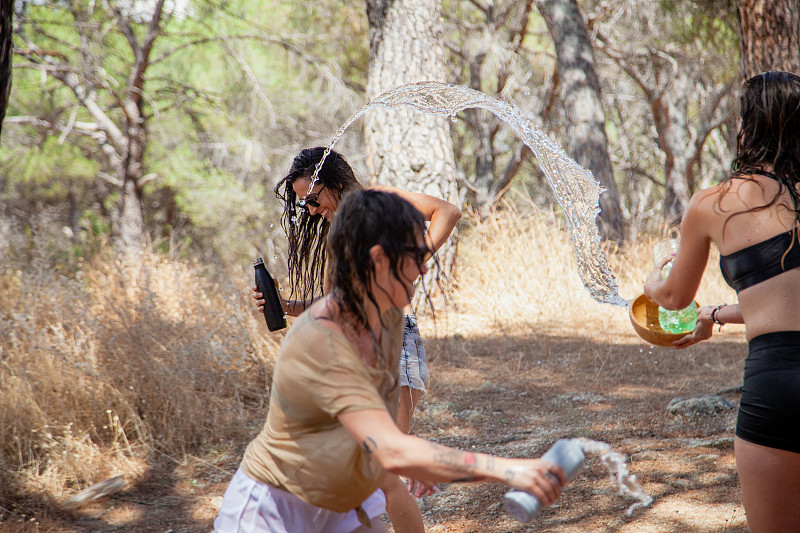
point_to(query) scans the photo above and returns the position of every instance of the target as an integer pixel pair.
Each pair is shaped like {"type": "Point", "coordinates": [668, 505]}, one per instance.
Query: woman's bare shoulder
{"type": "Point", "coordinates": [705, 199]}
{"type": "Point", "coordinates": [385, 188]}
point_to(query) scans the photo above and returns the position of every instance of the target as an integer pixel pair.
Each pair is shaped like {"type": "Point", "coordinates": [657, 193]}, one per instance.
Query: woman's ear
{"type": "Point", "coordinates": [379, 258]}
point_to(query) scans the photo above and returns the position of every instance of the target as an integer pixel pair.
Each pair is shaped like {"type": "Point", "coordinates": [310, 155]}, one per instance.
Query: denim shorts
{"type": "Point", "coordinates": [413, 362]}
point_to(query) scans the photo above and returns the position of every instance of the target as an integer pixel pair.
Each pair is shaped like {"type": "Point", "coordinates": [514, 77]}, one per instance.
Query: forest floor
{"type": "Point", "coordinates": [513, 393]}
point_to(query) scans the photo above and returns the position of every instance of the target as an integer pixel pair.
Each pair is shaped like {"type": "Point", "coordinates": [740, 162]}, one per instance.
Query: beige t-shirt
{"type": "Point", "coordinates": [303, 449]}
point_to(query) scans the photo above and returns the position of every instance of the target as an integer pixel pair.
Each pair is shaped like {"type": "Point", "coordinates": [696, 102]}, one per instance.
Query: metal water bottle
{"type": "Point", "coordinates": [568, 453]}
{"type": "Point", "coordinates": [273, 310]}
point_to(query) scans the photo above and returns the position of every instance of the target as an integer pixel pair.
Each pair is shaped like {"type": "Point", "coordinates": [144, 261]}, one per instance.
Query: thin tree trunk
{"type": "Point", "coordinates": [580, 95]}
{"type": "Point", "coordinates": [407, 148]}
{"type": "Point", "coordinates": [130, 231]}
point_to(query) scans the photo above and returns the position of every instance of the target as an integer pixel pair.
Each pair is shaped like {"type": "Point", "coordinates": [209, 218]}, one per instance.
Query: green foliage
{"type": "Point", "coordinates": [48, 171]}
{"type": "Point", "coordinates": [232, 90]}
{"type": "Point", "coordinates": [708, 23]}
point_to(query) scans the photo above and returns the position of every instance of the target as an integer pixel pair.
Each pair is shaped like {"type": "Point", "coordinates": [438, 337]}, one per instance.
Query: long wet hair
{"type": "Point", "coordinates": [307, 233]}
{"type": "Point", "coordinates": [365, 218]}
{"type": "Point", "coordinates": [770, 134]}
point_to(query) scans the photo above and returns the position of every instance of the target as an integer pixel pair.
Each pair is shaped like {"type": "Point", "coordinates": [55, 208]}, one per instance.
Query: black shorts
{"type": "Point", "coordinates": [769, 413]}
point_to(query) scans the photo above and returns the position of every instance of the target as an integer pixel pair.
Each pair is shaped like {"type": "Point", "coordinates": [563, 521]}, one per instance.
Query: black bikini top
{"type": "Point", "coordinates": [761, 261]}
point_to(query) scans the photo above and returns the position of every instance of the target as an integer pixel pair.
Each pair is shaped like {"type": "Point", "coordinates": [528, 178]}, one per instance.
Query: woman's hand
{"type": "Point", "coordinates": [543, 479]}
{"type": "Point", "coordinates": [259, 297]}
{"type": "Point", "coordinates": [420, 488]}
{"type": "Point", "coordinates": [260, 301]}
{"type": "Point", "coordinates": [702, 330]}
{"type": "Point", "coordinates": [656, 274]}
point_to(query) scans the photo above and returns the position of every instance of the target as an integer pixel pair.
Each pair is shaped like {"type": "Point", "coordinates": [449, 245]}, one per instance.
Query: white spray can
{"type": "Point", "coordinates": [568, 453]}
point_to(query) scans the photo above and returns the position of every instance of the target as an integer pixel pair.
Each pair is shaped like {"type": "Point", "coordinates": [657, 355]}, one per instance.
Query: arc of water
{"type": "Point", "coordinates": [575, 188]}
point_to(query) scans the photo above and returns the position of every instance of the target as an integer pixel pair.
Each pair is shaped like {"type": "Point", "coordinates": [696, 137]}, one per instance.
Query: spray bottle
{"type": "Point", "coordinates": [568, 453]}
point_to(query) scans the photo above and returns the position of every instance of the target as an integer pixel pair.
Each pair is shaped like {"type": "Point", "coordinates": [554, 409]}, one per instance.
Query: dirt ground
{"type": "Point", "coordinates": [515, 393]}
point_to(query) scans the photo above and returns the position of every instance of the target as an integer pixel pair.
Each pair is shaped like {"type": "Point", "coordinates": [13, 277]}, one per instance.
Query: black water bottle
{"type": "Point", "coordinates": [273, 310]}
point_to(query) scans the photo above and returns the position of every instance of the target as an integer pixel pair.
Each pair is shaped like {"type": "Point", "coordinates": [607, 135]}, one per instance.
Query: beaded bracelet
{"type": "Point", "coordinates": [714, 316]}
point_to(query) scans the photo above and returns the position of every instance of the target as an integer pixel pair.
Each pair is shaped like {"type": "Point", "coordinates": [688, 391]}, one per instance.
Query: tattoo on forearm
{"type": "Point", "coordinates": [369, 445]}
{"type": "Point", "coordinates": [461, 462]}
{"type": "Point", "coordinates": [508, 475]}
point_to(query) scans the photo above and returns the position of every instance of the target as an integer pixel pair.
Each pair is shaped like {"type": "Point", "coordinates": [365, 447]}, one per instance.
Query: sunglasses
{"type": "Point", "coordinates": [310, 200]}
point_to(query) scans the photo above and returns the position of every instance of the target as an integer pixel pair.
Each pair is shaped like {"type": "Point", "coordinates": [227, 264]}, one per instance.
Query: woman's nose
{"type": "Point", "coordinates": [312, 210]}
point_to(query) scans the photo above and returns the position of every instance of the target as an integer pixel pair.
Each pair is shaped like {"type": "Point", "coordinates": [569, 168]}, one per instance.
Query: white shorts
{"type": "Point", "coordinates": [250, 506]}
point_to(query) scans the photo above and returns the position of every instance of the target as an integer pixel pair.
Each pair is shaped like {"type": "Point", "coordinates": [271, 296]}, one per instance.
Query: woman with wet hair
{"type": "Point", "coordinates": [330, 440]}
{"type": "Point", "coordinates": [307, 213]}
{"type": "Point", "coordinates": [753, 217]}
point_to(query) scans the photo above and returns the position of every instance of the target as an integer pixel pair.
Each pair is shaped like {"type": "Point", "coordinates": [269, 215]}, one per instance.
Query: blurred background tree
{"type": "Point", "coordinates": [170, 122]}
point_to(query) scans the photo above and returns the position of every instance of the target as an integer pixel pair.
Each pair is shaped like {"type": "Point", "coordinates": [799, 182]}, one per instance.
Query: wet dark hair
{"type": "Point", "coordinates": [365, 218]}
{"type": "Point", "coordinates": [307, 233]}
{"type": "Point", "coordinates": [770, 133]}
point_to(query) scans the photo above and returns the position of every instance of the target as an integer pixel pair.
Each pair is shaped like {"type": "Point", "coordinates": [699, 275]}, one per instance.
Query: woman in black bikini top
{"type": "Point", "coordinates": [760, 262]}
{"type": "Point", "coordinates": [753, 217]}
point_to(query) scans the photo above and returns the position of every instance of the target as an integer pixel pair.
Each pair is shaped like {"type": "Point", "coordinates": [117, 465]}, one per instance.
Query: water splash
{"type": "Point", "coordinates": [618, 470]}
{"type": "Point", "coordinates": [575, 188]}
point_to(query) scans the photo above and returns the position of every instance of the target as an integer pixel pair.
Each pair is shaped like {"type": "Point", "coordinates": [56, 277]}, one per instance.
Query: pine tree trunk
{"type": "Point", "coordinates": [6, 52]}
{"type": "Point", "coordinates": [407, 148]}
{"type": "Point", "coordinates": [130, 232]}
{"type": "Point", "coordinates": [770, 36]}
{"type": "Point", "coordinates": [579, 93]}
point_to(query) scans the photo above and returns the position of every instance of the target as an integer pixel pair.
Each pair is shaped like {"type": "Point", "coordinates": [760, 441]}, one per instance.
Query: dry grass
{"type": "Point", "coordinates": [517, 269]}
{"type": "Point", "coordinates": [105, 368]}
{"type": "Point", "coordinates": [106, 371]}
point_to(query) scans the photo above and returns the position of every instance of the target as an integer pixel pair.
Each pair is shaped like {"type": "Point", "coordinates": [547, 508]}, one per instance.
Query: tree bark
{"type": "Point", "coordinates": [6, 52]}
{"type": "Point", "coordinates": [769, 36]}
{"type": "Point", "coordinates": [498, 25]}
{"type": "Point", "coordinates": [579, 93]}
{"type": "Point", "coordinates": [406, 148]}
{"type": "Point", "coordinates": [130, 231]}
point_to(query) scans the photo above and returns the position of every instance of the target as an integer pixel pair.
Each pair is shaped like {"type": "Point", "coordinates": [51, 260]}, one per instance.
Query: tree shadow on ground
{"type": "Point", "coordinates": [512, 395]}
{"type": "Point", "coordinates": [157, 503]}
{"type": "Point", "coordinates": [515, 395]}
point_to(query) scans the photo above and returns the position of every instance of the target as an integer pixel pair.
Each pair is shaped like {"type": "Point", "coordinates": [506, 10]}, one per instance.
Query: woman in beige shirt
{"type": "Point", "coordinates": [330, 439]}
